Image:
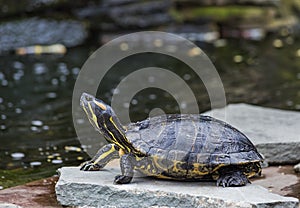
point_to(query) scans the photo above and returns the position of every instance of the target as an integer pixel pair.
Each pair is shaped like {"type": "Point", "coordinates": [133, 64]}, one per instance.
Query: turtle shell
{"type": "Point", "coordinates": [192, 139]}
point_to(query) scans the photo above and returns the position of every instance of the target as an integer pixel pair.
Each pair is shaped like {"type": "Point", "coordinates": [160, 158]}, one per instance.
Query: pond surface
{"type": "Point", "coordinates": [36, 128]}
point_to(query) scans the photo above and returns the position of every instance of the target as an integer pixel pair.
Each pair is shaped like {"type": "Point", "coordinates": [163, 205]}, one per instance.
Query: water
{"type": "Point", "coordinates": [35, 115]}
{"type": "Point", "coordinates": [36, 128]}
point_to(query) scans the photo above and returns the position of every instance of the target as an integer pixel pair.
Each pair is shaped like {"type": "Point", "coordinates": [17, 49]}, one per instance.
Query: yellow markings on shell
{"type": "Point", "coordinates": [138, 158]}
{"type": "Point", "coordinates": [219, 166]}
{"type": "Point", "coordinates": [158, 165]}
{"type": "Point", "coordinates": [196, 171]}
{"type": "Point", "coordinates": [146, 171]}
{"type": "Point", "coordinates": [165, 177]}
{"type": "Point", "coordinates": [253, 172]}
{"type": "Point", "coordinates": [104, 155]}
{"type": "Point", "coordinates": [94, 117]}
{"type": "Point", "coordinates": [175, 169]}
{"type": "Point", "coordinates": [215, 176]}
{"type": "Point", "coordinates": [102, 106]}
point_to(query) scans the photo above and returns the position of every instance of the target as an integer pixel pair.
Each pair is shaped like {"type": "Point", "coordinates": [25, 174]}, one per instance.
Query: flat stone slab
{"type": "Point", "coordinates": [275, 133]}
{"type": "Point", "coordinates": [96, 189]}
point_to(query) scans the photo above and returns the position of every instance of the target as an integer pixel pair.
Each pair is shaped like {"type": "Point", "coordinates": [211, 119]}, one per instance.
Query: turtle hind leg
{"type": "Point", "coordinates": [233, 178]}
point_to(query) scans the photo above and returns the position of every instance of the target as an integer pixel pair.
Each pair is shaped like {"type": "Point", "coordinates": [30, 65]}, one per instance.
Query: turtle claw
{"type": "Point", "coordinates": [122, 179]}
{"type": "Point", "coordinates": [221, 183]}
{"type": "Point", "coordinates": [89, 166]}
{"type": "Point", "coordinates": [233, 179]}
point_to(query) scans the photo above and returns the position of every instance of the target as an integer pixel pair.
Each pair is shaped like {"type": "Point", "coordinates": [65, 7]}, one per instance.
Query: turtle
{"type": "Point", "coordinates": [184, 147]}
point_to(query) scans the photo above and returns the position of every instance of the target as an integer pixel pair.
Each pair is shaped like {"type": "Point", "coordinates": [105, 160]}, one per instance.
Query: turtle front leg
{"type": "Point", "coordinates": [127, 166]}
{"type": "Point", "coordinates": [233, 178]}
{"type": "Point", "coordinates": [102, 157]}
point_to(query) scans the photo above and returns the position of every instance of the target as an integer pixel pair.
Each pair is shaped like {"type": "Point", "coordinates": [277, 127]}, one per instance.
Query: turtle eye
{"type": "Point", "coordinates": [100, 105]}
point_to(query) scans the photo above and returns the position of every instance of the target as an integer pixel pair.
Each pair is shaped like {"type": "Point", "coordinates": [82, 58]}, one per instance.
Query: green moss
{"type": "Point", "coordinates": [178, 16]}
{"type": "Point", "coordinates": [10, 178]}
{"type": "Point", "coordinates": [223, 13]}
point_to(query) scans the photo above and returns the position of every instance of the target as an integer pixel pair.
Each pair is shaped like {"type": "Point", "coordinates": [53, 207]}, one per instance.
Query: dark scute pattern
{"type": "Point", "coordinates": [158, 151]}
{"type": "Point", "coordinates": [203, 158]}
{"type": "Point", "coordinates": [177, 155]}
{"type": "Point", "coordinates": [216, 159]}
{"type": "Point", "coordinates": [192, 139]}
{"type": "Point", "coordinates": [137, 142]}
{"type": "Point", "coordinates": [166, 142]}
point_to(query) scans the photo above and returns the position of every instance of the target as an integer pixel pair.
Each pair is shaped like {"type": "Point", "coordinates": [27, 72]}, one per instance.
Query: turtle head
{"type": "Point", "coordinates": [104, 119]}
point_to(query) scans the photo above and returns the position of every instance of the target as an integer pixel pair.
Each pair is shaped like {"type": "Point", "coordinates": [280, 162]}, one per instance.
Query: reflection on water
{"type": "Point", "coordinates": [36, 128]}
{"type": "Point", "coordinates": [36, 122]}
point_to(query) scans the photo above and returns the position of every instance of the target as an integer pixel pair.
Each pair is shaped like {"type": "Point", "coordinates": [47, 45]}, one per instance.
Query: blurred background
{"type": "Point", "coordinates": [255, 46]}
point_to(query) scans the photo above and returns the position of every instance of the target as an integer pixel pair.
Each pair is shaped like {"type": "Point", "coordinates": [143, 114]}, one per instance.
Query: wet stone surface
{"type": "Point", "coordinates": [78, 188]}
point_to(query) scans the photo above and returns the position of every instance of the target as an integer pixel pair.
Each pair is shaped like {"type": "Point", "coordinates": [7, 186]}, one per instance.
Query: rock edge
{"type": "Point", "coordinates": [96, 189]}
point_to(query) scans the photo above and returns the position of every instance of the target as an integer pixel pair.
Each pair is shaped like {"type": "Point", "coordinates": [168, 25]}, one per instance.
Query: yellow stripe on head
{"type": "Point", "coordinates": [94, 117]}
{"type": "Point", "coordinates": [122, 134]}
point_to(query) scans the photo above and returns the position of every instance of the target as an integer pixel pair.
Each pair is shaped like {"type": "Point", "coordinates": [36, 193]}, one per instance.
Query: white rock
{"type": "Point", "coordinates": [297, 168]}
